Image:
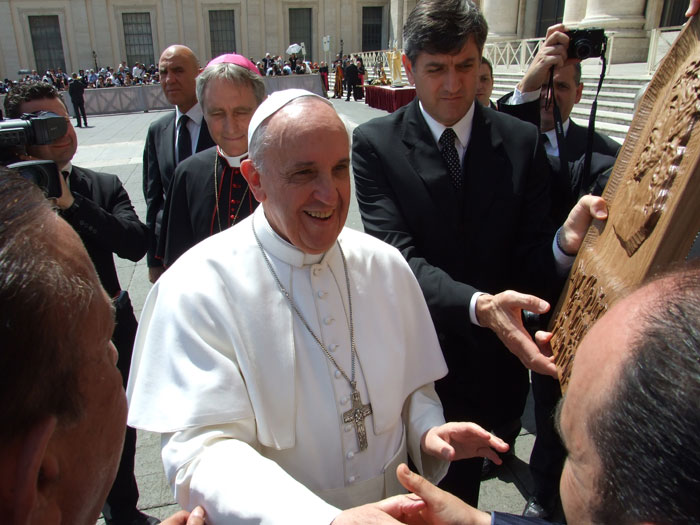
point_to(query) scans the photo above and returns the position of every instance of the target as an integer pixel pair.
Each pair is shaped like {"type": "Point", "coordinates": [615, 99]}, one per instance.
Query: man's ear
{"type": "Point", "coordinates": [579, 92]}
{"type": "Point", "coordinates": [408, 67]}
{"type": "Point", "coordinates": [26, 469]}
{"type": "Point", "coordinates": [252, 177]}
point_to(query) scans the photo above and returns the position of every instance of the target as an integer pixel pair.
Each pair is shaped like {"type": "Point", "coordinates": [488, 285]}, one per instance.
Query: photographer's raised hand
{"type": "Point", "coordinates": [553, 53]}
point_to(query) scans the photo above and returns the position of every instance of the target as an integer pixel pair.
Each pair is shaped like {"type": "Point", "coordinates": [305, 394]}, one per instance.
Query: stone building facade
{"type": "Point", "coordinates": [80, 34]}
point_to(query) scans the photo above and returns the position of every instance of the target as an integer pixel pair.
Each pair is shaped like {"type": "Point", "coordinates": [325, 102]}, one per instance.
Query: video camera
{"type": "Point", "coordinates": [29, 130]}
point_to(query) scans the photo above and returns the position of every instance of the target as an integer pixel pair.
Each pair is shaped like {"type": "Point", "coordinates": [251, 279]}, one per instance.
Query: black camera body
{"type": "Point", "coordinates": [29, 130]}
{"type": "Point", "coordinates": [586, 43]}
{"type": "Point", "coordinates": [43, 173]}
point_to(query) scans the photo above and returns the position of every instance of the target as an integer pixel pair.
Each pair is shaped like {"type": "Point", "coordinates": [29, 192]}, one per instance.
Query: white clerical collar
{"type": "Point", "coordinates": [233, 162]}
{"type": "Point", "coordinates": [281, 249]}
{"type": "Point", "coordinates": [195, 114]}
{"type": "Point", "coordinates": [462, 128]}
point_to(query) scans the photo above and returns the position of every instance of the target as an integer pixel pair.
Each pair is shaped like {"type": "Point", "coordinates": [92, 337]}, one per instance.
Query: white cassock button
{"type": "Point", "coordinates": [344, 400]}
{"type": "Point", "coordinates": [328, 320]}
{"type": "Point", "coordinates": [322, 294]}
{"type": "Point", "coordinates": [337, 374]}
{"type": "Point", "coordinates": [350, 455]}
{"type": "Point", "coordinates": [348, 427]}
{"type": "Point", "coordinates": [316, 269]}
{"type": "Point", "coordinates": [352, 479]}
{"type": "Point", "coordinates": [333, 347]}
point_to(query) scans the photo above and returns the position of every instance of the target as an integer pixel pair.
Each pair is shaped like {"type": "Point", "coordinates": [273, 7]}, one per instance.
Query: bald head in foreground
{"type": "Point", "coordinates": [630, 419]}
{"type": "Point", "coordinates": [62, 404]}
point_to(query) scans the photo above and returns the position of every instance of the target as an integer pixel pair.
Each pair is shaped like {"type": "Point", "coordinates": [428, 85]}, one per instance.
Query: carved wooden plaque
{"type": "Point", "coordinates": [653, 201]}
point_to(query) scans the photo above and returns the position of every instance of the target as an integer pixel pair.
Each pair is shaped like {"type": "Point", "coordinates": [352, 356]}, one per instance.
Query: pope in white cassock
{"type": "Point", "coordinates": [288, 362]}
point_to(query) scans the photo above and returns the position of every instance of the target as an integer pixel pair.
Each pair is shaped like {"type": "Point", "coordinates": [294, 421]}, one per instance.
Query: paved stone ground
{"type": "Point", "coordinates": [114, 144]}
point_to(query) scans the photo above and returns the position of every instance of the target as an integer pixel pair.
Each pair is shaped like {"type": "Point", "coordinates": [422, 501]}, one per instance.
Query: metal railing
{"type": "Point", "coordinates": [374, 61]}
{"type": "Point", "coordinates": [660, 41]}
{"type": "Point", "coordinates": [520, 53]}
{"type": "Point", "coordinates": [513, 52]}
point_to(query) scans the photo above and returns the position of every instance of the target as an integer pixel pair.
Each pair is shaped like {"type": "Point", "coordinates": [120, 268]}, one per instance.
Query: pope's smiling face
{"type": "Point", "coordinates": [305, 189]}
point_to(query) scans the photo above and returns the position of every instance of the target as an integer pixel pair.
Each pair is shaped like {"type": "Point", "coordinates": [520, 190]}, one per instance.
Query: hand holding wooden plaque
{"type": "Point", "coordinates": [653, 200]}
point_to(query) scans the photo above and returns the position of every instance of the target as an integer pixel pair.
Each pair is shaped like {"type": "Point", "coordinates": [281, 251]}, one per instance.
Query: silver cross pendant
{"type": "Point", "coordinates": [356, 415]}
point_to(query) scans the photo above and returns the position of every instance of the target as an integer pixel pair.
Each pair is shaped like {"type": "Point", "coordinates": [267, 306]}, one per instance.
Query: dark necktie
{"type": "Point", "coordinates": [184, 141]}
{"type": "Point", "coordinates": [449, 152]}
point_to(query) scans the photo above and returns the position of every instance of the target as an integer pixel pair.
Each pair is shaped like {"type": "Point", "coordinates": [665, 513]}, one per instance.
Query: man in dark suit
{"type": "Point", "coordinates": [528, 102]}
{"type": "Point", "coordinates": [463, 192]}
{"type": "Point", "coordinates": [76, 88]}
{"type": "Point", "coordinates": [171, 139]}
{"type": "Point", "coordinates": [99, 209]}
{"type": "Point", "coordinates": [208, 192]}
{"type": "Point", "coordinates": [352, 78]}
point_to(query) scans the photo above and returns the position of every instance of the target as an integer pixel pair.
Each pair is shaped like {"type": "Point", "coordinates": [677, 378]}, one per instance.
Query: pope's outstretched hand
{"type": "Point", "coordinates": [459, 440]}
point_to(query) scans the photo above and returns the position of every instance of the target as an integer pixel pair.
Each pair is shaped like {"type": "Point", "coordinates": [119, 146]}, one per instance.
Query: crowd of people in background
{"type": "Point", "coordinates": [106, 76]}
{"type": "Point", "coordinates": [273, 66]}
{"type": "Point", "coordinates": [140, 74]}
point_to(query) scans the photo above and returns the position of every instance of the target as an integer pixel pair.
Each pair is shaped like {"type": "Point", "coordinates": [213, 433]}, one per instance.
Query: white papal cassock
{"type": "Point", "coordinates": [248, 405]}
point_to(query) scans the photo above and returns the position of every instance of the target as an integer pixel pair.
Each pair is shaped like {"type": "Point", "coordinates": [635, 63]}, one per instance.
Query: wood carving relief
{"type": "Point", "coordinates": [653, 199]}
{"type": "Point", "coordinates": [588, 303]}
{"type": "Point", "coordinates": [645, 194]}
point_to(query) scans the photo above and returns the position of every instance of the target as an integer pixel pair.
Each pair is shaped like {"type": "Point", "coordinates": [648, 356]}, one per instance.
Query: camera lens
{"type": "Point", "coordinates": [583, 49]}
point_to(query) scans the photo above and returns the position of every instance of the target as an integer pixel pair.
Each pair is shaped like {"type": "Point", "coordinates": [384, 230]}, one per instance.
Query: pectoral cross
{"type": "Point", "coordinates": [357, 415]}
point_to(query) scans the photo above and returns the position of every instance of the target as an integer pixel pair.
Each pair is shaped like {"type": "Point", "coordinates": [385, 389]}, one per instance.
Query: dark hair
{"type": "Point", "coordinates": [41, 304]}
{"type": "Point", "coordinates": [577, 73]}
{"type": "Point", "coordinates": [443, 26]}
{"type": "Point", "coordinates": [486, 61]}
{"type": "Point", "coordinates": [21, 93]}
{"type": "Point", "coordinates": [648, 435]}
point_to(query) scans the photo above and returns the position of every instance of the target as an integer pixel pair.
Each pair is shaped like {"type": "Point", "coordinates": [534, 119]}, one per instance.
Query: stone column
{"type": "Point", "coordinates": [502, 17]}
{"type": "Point", "coordinates": [574, 12]}
{"type": "Point", "coordinates": [395, 25]}
{"type": "Point", "coordinates": [621, 14]}
{"type": "Point", "coordinates": [623, 20]}
{"type": "Point", "coordinates": [10, 60]}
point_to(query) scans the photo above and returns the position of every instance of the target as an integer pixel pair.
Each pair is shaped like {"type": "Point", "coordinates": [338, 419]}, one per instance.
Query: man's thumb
{"type": "Point", "coordinates": [412, 482]}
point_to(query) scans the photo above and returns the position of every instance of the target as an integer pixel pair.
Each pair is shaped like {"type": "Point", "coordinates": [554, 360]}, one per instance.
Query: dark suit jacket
{"type": "Point", "coordinates": [158, 167]}
{"type": "Point", "coordinates": [188, 216]}
{"type": "Point", "coordinates": [493, 236]}
{"type": "Point", "coordinates": [352, 75]}
{"type": "Point", "coordinates": [76, 88]}
{"type": "Point", "coordinates": [575, 135]}
{"type": "Point", "coordinates": [106, 222]}
{"type": "Point", "coordinates": [566, 192]}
